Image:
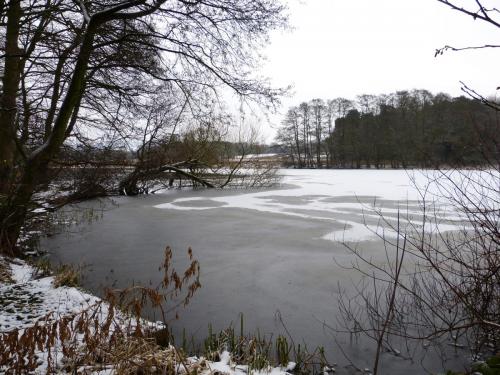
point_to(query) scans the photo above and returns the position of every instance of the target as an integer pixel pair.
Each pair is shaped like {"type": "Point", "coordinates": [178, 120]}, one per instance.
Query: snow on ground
{"type": "Point", "coordinates": [226, 366]}
{"type": "Point", "coordinates": [21, 273]}
{"type": "Point", "coordinates": [328, 194]}
{"type": "Point", "coordinates": [26, 300]}
{"type": "Point", "coordinates": [257, 156]}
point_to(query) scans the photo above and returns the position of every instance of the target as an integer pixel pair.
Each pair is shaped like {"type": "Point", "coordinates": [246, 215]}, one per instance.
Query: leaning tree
{"type": "Point", "coordinates": [78, 68]}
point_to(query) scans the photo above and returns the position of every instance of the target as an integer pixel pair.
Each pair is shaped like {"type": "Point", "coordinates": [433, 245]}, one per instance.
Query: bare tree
{"type": "Point", "coordinates": [446, 290]}
{"type": "Point", "coordinates": [289, 134]}
{"type": "Point", "coordinates": [76, 68]}
{"type": "Point", "coordinates": [318, 109]}
{"type": "Point", "coordinates": [482, 11]}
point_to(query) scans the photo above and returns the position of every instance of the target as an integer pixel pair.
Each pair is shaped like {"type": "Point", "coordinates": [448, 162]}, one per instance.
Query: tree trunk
{"type": "Point", "coordinates": [128, 186]}
{"type": "Point", "coordinates": [14, 209]}
{"type": "Point", "coordinates": [13, 214]}
{"type": "Point", "coordinates": [8, 104]}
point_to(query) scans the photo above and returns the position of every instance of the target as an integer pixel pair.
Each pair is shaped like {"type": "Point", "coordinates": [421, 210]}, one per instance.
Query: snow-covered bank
{"type": "Point", "coordinates": [28, 299]}
{"type": "Point", "coordinates": [46, 329]}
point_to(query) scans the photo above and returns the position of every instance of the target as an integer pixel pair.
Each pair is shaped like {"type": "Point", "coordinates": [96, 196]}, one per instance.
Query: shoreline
{"type": "Point", "coordinates": [30, 301]}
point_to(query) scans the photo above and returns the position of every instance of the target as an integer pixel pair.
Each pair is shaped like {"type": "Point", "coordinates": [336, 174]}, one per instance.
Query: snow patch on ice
{"type": "Point", "coordinates": [354, 231]}
{"type": "Point", "coordinates": [363, 194]}
{"type": "Point", "coordinates": [178, 204]}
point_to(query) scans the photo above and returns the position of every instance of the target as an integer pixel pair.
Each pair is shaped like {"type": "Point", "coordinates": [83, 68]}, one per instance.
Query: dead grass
{"type": "Point", "coordinates": [112, 334]}
{"type": "Point", "coordinates": [5, 272]}
{"type": "Point", "coordinates": [108, 333]}
{"type": "Point", "coordinates": [67, 275]}
{"type": "Point", "coordinates": [89, 340]}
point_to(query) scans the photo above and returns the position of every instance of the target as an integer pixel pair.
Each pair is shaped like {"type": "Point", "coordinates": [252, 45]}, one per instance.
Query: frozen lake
{"type": "Point", "coordinates": [261, 251]}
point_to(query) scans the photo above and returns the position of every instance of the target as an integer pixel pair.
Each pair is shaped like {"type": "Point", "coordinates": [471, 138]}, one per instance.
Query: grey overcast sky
{"type": "Point", "coordinates": [343, 48]}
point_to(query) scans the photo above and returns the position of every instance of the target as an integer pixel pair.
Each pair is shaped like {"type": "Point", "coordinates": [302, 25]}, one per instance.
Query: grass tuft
{"type": "Point", "coordinates": [67, 275]}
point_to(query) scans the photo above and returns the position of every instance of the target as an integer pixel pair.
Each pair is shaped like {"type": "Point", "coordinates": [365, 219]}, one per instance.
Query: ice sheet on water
{"type": "Point", "coordinates": [333, 194]}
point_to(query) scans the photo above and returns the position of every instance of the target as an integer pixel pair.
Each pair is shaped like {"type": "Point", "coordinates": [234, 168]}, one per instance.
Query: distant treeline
{"type": "Point", "coordinates": [403, 129]}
